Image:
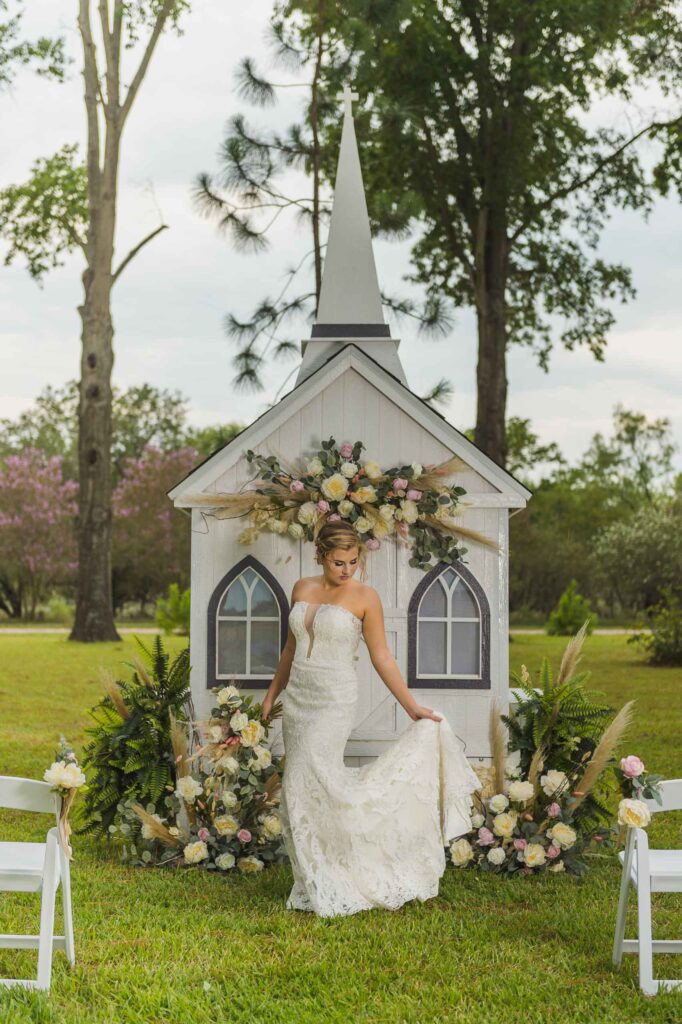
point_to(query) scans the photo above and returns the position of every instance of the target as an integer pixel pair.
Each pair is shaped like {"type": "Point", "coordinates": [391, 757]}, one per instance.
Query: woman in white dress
{"type": "Point", "coordinates": [374, 835]}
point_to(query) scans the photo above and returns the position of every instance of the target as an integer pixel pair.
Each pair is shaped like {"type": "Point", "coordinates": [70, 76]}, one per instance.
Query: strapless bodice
{"type": "Point", "coordinates": [327, 635]}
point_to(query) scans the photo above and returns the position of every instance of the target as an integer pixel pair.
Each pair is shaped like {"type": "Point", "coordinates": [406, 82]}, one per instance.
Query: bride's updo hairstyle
{"type": "Point", "coordinates": [340, 534]}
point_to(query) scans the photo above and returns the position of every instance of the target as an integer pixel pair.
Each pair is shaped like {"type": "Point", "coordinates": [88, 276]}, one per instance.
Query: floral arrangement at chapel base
{"type": "Point", "coordinates": [407, 503]}
{"type": "Point", "coordinates": [225, 815]}
{"type": "Point", "coordinates": [66, 777]}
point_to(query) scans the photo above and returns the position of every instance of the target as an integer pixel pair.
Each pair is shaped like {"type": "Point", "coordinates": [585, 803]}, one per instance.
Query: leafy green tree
{"type": "Point", "coordinates": [475, 130]}
{"type": "Point", "coordinates": [67, 205]}
{"type": "Point", "coordinates": [571, 612]}
{"type": "Point", "coordinates": [47, 55]}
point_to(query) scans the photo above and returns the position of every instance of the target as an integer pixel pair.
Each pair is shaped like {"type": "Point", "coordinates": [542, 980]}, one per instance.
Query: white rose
{"type": "Point", "coordinates": [477, 820]}
{"type": "Point", "coordinates": [534, 855]}
{"type": "Point", "coordinates": [349, 469]}
{"type": "Point", "coordinates": [417, 469]}
{"type": "Point", "coordinates": [372, 470]}
{"type": "Point", "coordinates": [216, 733]}
{"type": "Point", "coordinates": [296, 530]}
{"type": "Point", "coordinates": [410, 510]}
{"type": "Point", "coordinates": [362, 524]}
{"type": "Point", "coordinates": [229, 798]}
{"type": "Point", "coordinates": [66, 776]}
{"type": "Point", "coordinates": [496, 855]}
{"type": "Point", "coordinates": [386, 512]}
{"type": "Point", "coordinates": [307, 512]}
{"type": "Point", "coordinates": [314, 467]}
{"type": "Point", "coordinates": [272, 826]}
{"type": "Point", "coordinates": [228, 764]}
{"type": "Point", "coordinates": [498, 803]}
{"type": "Point", "coordinates": [346, 507]}
{"type": "Point", "coordinates": [552, 781]}
{"type": "Point", "coordinates": [194, 852]}
{"type": "Point", "coordinates": [225, 861]}
{"type": "Point", "coordinates": [335, 487]}
{"type": "Point", "coordinates": [228, 695]}
{"type": "Point", "coordinates": [461, 852]}
{"type": "Point", "coordinates": [239, 721]}
{"type": "Point", "coordinates": [262, 757]}
{"type": "Point", "coordinates": [521, 792]}
{"type": "Point", "coordinates": [188, 789]}
{"type": "Point", "coordinates": [633, 813]}
{"type": "Point", "coordinates": [562, 834]}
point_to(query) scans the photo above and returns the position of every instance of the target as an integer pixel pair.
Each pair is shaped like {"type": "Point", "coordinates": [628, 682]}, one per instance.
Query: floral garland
{"type": "Point", "coordinates": [405, 502]}
{"type": "Point", "coordinates": [230, 809]}
{"type": "Point", "coordinates": [66, 778]}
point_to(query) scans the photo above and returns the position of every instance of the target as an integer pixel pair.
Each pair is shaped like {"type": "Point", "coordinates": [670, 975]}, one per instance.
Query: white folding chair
{"type": "Point", "coordinates": [36, 867]}
{"type": "Point", "coordinates": [649, 871]}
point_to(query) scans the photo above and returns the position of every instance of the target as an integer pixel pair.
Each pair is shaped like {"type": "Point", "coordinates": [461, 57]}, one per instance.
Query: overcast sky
{"type": "Point", "coordinates": [169, 303]}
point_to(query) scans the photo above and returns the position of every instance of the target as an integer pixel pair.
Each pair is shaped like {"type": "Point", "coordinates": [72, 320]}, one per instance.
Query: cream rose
{"type": "Point", "coordinates": [250, 865]}
{"type": "Point", "coordinates": [225, 861]}
{"type": "Point", "coordinates": [307, 513]}
{"type": "Point", "coordinates": [65, 776]}
{"type": "Point", "coordinates": [252, 733]}
{"type": "Point", "coordinates": [188, 789]}
{"type": "Point", "coordinates": [477, 820]}
{"type": "Point", "coordinates": [346, 507]}
{"type": "Point", "coordinates": [557, 866]}
{"type": "Point", "coordinates": [498, 803]}
{"type": "Point", "coordinates": [296, 530]}
{"type": "Point", "coordinates": [504, 824]}
{"type": "Point", "coordinates": [228, 695]}
{"type": "Point", "coordinates": [226, 825]}
{"type": "Point", "coordinates": [562, 834]}
{"type": "Point", "coordinates": [372, 470]}
{"type": "Point", "coordinates": [386, 512]}
{"type": "Point", "coordinates": [552, 781]}
{"type": "Point", "coordinates": [261, 757]}
{"type": "Point", "coordinates": [362, 524]}
{"type": "Point", "coordinates": [534, 855]}
{"type": "Point", "coordinates": [417, 469]}
{"type": "Point", "coordinates": [348, 469]}
{"type": "Point", "coordinates": [229, 798]}
{"type": "Point", "coordinates": [520, 792]}
{"type": "Point", "coordinates": [314, 467]}
{"type": "Point", "coordinates": [216, 733]}
{"type": "Point", "coordinates": [461, 852]}
{"type": "Point", "coordinates": [272, 826]}
{"type": "Point", "coordinates": [194, 852]}
{"type": "Point", "coordinates": [410, 511]}
{"type": "Point", "coordinates": [365, 495]}
{"type": "Point", "coordinates": [335, 487]}
{"type": "Point", "coordinates": [633, 813]}
{"type": "Point", "coordinates": [496, 855]}
{"type": "Point", "coordinates": [239, 721]}
{"type": "Point", "coordinates": [229, 764]}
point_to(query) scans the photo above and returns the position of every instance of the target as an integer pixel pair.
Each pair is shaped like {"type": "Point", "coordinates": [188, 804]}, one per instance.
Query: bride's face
{"type": "Point", "coordinates": [340, 565]}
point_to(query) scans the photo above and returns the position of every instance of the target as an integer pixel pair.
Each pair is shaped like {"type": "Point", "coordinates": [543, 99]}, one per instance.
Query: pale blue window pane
{"type": "Point", "coordinates": [432, 648]}
{"type": "Point", "coordinates": [263, 600]}
{"type": "Point", "coordinates": [463, 603]}
{"type": "Point", "coordinates": [249, 576]}
{"type": "Point", "coordinates": [465, 650]}
{"type": "Point", "coordinates": [234, 602]}
{"type": "Point", "coordinates": [264, 647]}
{"type": "Point", "coordinates": [231, 648]}
{"type": "Point", "coordinates": [433, 603]}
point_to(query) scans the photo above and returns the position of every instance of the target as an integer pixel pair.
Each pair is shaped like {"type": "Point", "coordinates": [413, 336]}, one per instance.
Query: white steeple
{"type": "Point", "coordinates": [350, 302]}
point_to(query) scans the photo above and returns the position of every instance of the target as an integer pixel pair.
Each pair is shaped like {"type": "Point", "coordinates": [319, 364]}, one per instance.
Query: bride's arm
{"type": "Point", "coordinates": [384, 662]}
{"type": "Point", "coordinates": [281, 676]}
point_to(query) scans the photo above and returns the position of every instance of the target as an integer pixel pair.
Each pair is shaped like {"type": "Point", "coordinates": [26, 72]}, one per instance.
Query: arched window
{"type": "Point", "coordinates": [247, 627]}
{"type": "Point", "coordinates": [449, 631]}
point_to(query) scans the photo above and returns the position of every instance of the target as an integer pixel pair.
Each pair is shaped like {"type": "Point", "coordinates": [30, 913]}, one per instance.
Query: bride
{"type": "Point", "coordinates": [374, 835]}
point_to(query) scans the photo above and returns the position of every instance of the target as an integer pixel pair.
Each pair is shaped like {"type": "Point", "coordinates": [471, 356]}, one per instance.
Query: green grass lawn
{"type": "Point", "coordinates": [155, 946]}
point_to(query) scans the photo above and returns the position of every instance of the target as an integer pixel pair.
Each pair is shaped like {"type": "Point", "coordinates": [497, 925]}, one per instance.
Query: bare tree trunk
{"type": "Point", "coordinates": [491, 370]}
{"type": "Point", "coordinates": [316, 155]}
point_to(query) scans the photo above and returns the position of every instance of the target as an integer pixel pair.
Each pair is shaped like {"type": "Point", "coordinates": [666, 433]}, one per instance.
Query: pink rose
{"type": "Point", "coordinates": [399, 484]}
{"type": "Point", "coordinates": [554, 810]}
{"type": "Point", "coordinates": [413, 495]}
{"type": "Point", "coordinates": [372, 543]}
{"type": "Point", "coordinates": [553, 851]}
{"type": "Point", "coordinates": [520, 844]}
{"type": "Point", "coordinates": [631, 767]}
{"type": "Point", "coordinates": [203, 834]}
{"type": "Point", "coordinates": [333, 516]}
{"type": "Point", "coordinates": [296, 485]}
{"type": "Point", "coordinates": [244, 835]}
{"type": "Point", "coordinates": [346, 450]}
{"type": "Point", "coordinates": [485, 836]}
{"type": "Point", "coordinates": [323, 506]}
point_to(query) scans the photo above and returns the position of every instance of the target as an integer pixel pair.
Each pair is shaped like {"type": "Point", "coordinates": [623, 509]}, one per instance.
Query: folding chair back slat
{"type": "Point", "coordinates": [28, 795]}
{"type": "Point", "coordinates": [671, 797]}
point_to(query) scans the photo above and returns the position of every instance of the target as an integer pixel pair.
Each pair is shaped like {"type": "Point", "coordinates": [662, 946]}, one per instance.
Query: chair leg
{"type": "Point", "coordinates": [68, 907]}
{"type": "Point", "coordinates": [622, 910]}
{"type": "Point", "coordinates": [47, 904]}
{"type": "Point", "coordinates": [646, 962]}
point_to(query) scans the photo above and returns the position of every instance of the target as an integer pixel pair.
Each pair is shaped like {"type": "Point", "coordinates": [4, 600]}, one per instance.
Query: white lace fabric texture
{"type": "Point", "coordinates": [361, 837]}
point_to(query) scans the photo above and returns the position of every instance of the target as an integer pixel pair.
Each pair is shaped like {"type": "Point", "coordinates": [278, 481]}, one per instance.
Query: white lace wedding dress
{"type": "Point", "coordinates": [368, 836]}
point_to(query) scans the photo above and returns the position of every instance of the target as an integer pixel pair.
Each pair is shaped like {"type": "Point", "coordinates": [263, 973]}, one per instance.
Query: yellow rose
{"type": "Point", "coordinates": [335, 487]}
{"type": "Point", "coordinates": [252, 733]}
{"type": "Point", "coordinates": [372, 470]}
{"type": "Point", "coordinates": [633, 813]}
{"type": "Point", "coordinates": [504, 824]}
{"type": "Point", "coordinates": [562, 834]}
{"type": "Point", "coordinates": [365, 495]}
{"type": "Point", "coordinates": [272, 826]}
{"type": "Point", "coordinates": [534, 855]}
{"type": "Point", "coordinates": [461, 852]}
{"type": "Point", "coordinates": [557, 866]}
{"type": "Point", "coordinates": [249, 865]}
{"type": "Point", "coordinates": [226, 825]}
{"type": "Point", "coordinates": [386, 512]}
{"type": "Point", "coordinates": [410, 511]}
{"type": "Point", "coordinates": [345, 507]}
{"type": "Point", "coordinates": [362, 524]}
